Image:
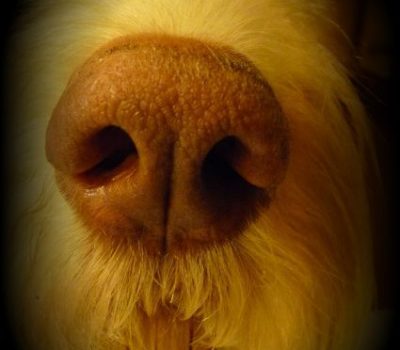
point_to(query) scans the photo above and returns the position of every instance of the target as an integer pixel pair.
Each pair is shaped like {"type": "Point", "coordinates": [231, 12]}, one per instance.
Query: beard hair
{"type": "Point", "coordinates": [299, 277]}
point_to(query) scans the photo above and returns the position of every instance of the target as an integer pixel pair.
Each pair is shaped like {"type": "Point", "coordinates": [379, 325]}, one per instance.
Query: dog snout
{"type": "Point", "coordinates": [168, 141]}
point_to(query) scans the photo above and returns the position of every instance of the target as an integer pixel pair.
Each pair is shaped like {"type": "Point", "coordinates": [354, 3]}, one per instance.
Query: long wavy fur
{"type": "Point", "coordinates": [300, 277]}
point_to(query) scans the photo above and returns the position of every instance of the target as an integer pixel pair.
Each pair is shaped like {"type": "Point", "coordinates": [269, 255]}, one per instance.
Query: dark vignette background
{"type": "Point", "coordinates": [9, 11]}
{"type": "Point", "coordinates": [380, 93]}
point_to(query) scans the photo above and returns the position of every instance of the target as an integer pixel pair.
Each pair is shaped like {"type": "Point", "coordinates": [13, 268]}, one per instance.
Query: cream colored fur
{"type": "Point", "coordinates": [299, 278]}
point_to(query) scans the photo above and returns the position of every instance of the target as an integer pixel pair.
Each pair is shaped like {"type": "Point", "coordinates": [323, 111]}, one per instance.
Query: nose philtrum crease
{"type": "Point", "coordinates": [167, 193]}
{"type": "Point", "coordinates": [188, 144]}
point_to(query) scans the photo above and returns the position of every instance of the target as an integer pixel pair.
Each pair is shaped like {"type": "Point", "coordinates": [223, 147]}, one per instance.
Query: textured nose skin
{"type": "Point", "coordinates": [167, 141]}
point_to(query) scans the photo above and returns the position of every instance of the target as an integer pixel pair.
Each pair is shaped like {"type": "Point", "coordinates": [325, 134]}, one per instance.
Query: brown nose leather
{"type": "Point", "coordinates": [170, 142]}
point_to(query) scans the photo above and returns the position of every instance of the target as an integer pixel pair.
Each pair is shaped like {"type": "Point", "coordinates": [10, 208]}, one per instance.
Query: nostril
{"type": "Point", "coordinates": [223, 183]}
{"type": "Point", "coordinates": [217, 167]}
{"type": "Point", "coordinates": [113, 152]}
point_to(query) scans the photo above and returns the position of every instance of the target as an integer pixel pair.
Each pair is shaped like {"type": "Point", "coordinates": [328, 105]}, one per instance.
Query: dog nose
{"type": "Point", "coordinates": [167, 142]}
